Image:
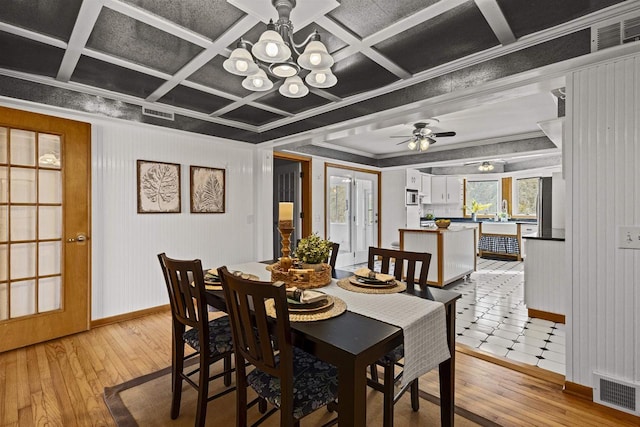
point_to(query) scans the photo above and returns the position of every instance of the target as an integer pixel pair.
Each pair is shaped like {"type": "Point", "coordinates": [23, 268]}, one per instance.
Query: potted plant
{"type": "Point", "coordinates": [313, 251]}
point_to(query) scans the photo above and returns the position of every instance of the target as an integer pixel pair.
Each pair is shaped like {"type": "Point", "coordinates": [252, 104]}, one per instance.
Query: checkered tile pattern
{"type": "Point", "coordinates": [499, 244]}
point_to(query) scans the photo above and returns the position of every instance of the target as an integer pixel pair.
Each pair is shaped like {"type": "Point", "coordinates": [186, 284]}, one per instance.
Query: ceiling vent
{"type": "Point", "coordinates": [157, 113]}
{"type": "Point", "coordinates": [615, 393]}
{"type": "Point", "coordinates": [614, 32]}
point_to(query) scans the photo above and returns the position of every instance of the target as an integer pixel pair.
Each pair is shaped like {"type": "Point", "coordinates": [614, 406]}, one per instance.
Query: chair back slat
{"type": "Point", "coordinates": [416, 263]}
{"type": "Point", "coordinates": [253, 330]}
{"type": "Point", "coordinates": [185, 286]}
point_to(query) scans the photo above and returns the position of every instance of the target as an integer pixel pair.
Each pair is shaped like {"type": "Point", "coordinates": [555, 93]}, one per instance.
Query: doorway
{"type": "Point", "coordinates": [291, 183]}
{"type": "Point", "coordinates": [45, 180]}
{"type": "Point", "coordinates": [352, 211]}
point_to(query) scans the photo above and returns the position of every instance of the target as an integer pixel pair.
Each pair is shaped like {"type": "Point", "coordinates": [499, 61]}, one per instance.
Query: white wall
{"type": "Point", "coordinates": [602, 161]}
{"type": "Point", "coordinates": [394, 212]}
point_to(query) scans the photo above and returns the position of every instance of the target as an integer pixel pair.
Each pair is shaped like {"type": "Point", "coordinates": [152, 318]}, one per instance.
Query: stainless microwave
{"type": "Point", "coordinates": [412, 197]}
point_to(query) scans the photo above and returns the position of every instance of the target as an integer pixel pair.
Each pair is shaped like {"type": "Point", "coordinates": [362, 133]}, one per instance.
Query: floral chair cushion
{"type": "Point", "coordinates": [315, 384]}
{"type": "Point", "coordinates": [220, 338]}
{"type": "Point", "coordinates": [393, 356]}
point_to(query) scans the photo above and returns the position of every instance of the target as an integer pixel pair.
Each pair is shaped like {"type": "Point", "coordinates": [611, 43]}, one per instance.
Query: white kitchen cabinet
{"type": "Point", "coordinates": [413, 179]}
{"type": "Point", "coordinates": [438, 189]}
{"type": "Point", "coordinates": [454, 190]}
{"type": "Point", "coordinates": [426, 188]}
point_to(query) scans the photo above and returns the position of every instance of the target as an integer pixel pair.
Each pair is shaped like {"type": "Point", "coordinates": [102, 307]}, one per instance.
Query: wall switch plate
{"type": "Point", "coordinates": [629, 237]}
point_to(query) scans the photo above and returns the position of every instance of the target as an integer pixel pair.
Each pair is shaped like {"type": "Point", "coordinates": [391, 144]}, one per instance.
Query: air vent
{"type": "Point", "coordinates": [616, 393]}
{"type": "Point", "coordinates": [157, 113]}
{"type": "Point", "coordinates": [614, 32]}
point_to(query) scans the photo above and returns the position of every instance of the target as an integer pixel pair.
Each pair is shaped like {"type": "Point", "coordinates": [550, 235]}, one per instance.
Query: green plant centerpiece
{"type": "Point", "coordinates": [313, 250]}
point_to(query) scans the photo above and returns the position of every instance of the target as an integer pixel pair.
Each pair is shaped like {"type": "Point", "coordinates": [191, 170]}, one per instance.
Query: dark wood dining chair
{"type": "Point", "coordinates": [293, 381]}
{"type": "Point", "coordinates": [333, 257]}
{"type": "Point", "coordinates": [403, 265]}
{"type": "Point", "coordinates": [211, 339]}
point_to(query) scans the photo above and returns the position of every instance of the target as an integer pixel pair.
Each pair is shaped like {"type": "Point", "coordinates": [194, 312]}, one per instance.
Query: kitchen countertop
{"type": "Point", "coordinates": [555, 234]}
{"type": "Point", "coordinates": [437, 230]}
{"type": "Point", "coordinates": [479, 220]}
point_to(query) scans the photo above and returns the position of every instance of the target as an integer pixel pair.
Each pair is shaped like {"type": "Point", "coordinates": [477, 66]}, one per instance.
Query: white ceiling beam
{"type": "Point", "coordinates": [87, 17]}
{"type": "Point", "coordinates": [496, 20]}
{"type": "Point", "coordinates": [27, 34]}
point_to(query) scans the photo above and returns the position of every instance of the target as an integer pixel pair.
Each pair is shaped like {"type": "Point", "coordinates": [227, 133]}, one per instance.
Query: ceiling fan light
{"type": "Point", "coordinates": [321, 78]}
{"type": "Point", "coordinates": [315, 57]}
{"type": "Point", "coordinates": [412, 145]}
{"type": "Point", "coordinates": [293, 87]}
{"type": "Point", "coordinates": [424, 144]}
{"type": "Point", "coordinates": [258, 82]}
{"type": "Point", "coordinates": [240, 63]}
{"type": "Point", "coordinates": [271, 48]}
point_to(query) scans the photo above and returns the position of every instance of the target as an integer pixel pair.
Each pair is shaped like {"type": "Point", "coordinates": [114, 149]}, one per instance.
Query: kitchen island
{"type": "Point", "coordinates": [453, 251]}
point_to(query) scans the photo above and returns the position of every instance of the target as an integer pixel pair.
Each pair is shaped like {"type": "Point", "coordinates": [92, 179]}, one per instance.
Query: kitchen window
{"type": "Point", "coordinates": [483, 192]}
{"type": "Point", "coordinates": [525, 196]}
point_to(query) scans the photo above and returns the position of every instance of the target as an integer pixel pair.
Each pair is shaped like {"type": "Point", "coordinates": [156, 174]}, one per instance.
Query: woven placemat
{"type": "Point", "coordinates": [338, 307]}
{"type": "Point", "coordinates": [347, 285]}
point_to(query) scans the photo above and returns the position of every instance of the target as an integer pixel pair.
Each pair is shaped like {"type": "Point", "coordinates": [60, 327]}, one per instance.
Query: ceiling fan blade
{"type": "Point", "coordinates": [431, 140]}
{"type": "Point", "coordinates": [438, 134]}
{"type": "Point", "coordinates": [399, 136]}
{"type": "Point", "coordinates": [405, 141]}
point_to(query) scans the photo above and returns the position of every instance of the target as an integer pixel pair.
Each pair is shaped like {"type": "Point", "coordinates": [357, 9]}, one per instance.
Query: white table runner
{"type": "Point", "coordinates": [423, 322]}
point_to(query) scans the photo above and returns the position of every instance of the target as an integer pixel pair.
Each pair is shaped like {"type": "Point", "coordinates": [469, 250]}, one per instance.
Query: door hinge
{"type": "Point", "coordinates": [301, 215]}
{"type": "Point", "coordinates": [301, 174]}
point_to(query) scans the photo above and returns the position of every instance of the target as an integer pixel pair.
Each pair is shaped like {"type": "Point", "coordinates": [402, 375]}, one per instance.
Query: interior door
{"type": "Point", "coordinates": [352, 213]}
{"type": "Point", "coordinates": [286, 188]}
{"type": "Point", "coordinates": [44, 227]}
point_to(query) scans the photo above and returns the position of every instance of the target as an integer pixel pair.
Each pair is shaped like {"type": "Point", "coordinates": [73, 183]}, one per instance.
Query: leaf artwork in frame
{"type": "Point", "coordinates": [207, 190]}
{"type": "Point", "coordinates": [158, 187]}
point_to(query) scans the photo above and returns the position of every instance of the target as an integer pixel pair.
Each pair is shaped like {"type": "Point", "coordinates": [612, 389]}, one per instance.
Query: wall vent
{"type": "Point", "coordinates": [157, 113]}
{"type": "Point", "coordinates": [615, 393]}
{"type": "Point", "coordinates": [614, 32]}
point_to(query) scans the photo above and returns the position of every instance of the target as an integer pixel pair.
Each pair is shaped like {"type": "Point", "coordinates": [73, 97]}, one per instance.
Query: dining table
{"type": "Point", "coordinates": [352, 342]}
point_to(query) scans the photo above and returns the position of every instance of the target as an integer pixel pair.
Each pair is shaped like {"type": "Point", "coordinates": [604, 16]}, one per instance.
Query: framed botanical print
{"type": "Point", "coordinates": [158, 187]}
{"type": "Point", "coordinates": [207, 190]}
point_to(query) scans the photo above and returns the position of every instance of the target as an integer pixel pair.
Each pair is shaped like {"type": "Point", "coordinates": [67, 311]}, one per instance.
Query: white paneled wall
{"type": "Point", "coordinates": [126, 273]}
{"type": "Point", "coordinates": [602, 158]}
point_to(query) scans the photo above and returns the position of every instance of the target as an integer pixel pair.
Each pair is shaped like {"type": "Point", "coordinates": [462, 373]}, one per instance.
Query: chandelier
{"type": "Point", "coordinates": [276, 54]}
{"type": "Point", "coordinates": [485, 167]}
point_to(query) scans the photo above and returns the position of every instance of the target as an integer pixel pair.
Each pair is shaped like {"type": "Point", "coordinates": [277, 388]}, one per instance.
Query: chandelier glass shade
{"type": "Point", "coordinates": [276, 54]}
{"type": "Point", "coordinates": [485, 167]}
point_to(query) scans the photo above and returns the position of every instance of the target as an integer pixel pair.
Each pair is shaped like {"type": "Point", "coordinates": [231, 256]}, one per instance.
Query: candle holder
{"type": "Point", "coordinates": [285, 228]}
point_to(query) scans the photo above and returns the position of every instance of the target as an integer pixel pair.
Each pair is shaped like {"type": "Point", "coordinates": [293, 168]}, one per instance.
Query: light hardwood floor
{"type": "Point", "coordinates": [60, 383]}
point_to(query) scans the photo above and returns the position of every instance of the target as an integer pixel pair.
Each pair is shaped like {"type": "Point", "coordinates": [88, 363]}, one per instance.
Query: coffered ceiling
{"type": "Point", "coordinates": [397, 62]}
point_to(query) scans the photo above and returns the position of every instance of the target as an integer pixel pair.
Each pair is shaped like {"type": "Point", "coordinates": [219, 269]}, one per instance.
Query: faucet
{"type": "Point", "coordinates": [504, 206]}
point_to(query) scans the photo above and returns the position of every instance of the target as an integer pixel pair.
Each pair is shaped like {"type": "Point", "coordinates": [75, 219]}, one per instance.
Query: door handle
{"type": "Point", "coordinates": [80, 238]}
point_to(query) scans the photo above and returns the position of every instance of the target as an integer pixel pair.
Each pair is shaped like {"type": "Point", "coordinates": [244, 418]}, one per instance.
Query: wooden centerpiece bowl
{"type": "Point", "coordinates": [443, 223]}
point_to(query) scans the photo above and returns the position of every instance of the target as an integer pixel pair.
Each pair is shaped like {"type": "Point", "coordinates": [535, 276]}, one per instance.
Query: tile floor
{"type": "Point", "coordinates": [492, 317]}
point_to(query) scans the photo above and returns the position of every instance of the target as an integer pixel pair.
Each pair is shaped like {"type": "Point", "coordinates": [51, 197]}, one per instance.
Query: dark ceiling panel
{"type": "Point", "coordinates": [357, 74]}
{"type": "Point", "coordinates": [213, 75]}
{"type": "Point", "coordinates": [418, 48]}
{"type": "Point", "coordinates": [52, 17]}
{"type": "Point", "coordinates": [126, 38]}
{"type": "Point", "coordinates": [29, 56]}
{"type": "Point", "coordinates": [366, 17]}
{"type": "Point", "coordinates": [332, 42]}
{"type": "Point", "coordinates": [211, 18]}
{"type": "Point", "coordinates": [186, 97]}
{"type": "Point", "coordinates": [526, 17]}
{"type": "Point", "coordinates": [104, 75]}
{"type": "Point", "coordinates": [251, 115]}
{"type": "Point", "coordinates": [293, 105]}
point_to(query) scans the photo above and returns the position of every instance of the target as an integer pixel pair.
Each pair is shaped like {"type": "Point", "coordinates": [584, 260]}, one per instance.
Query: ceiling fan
{"type": "Point", "coordinates": [486, 165]}
{"type": "Point", "coordinates": [423, 136]}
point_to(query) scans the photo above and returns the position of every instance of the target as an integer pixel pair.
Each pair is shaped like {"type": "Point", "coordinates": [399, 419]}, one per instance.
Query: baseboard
{"type": "Point", "coordinates": [546, 315]}
{"type": "Point", "coordinates": [531, 370]}
{"type": "Point", "coordinates": [578, 390]}
{"type": "Point", "coordinates": [129, 316]}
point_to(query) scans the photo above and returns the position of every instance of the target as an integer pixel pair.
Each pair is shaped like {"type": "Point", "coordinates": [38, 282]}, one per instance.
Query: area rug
{"type": "Point", "coordinates": [146, 401]}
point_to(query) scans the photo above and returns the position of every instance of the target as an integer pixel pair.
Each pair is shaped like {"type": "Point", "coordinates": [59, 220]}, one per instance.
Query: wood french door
{"type": "Point", "coordinates": [45, 182]}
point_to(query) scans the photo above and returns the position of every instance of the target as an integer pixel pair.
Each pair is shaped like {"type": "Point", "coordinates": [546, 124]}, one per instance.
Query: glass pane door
{"type": "Point", "coordinates": [30, 223]}
{"type": "Point", "coordinates": [352, 216]}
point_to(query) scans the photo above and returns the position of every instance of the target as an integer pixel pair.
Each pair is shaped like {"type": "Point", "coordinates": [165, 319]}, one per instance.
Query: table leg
{"type": "Point", "coordinates": [447, 371]}
{"type": "Point", "coordinates": [352, 395]}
